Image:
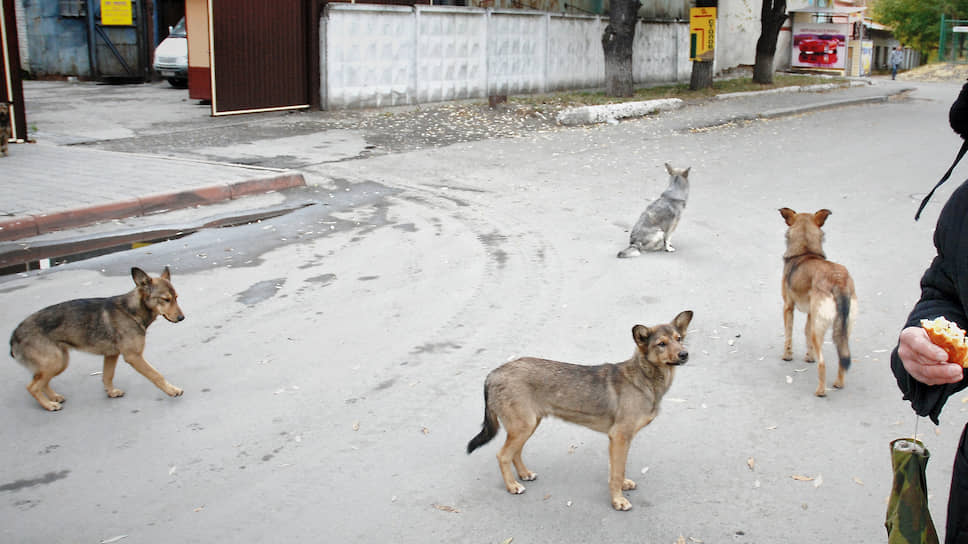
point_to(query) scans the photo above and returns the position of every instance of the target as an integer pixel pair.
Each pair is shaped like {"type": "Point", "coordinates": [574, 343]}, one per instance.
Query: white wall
{"type": "Point", "coordinates": [375, 55]}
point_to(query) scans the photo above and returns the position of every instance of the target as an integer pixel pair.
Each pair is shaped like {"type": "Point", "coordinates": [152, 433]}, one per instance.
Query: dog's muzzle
{"type": "Point", "coordinates": [682, 358]}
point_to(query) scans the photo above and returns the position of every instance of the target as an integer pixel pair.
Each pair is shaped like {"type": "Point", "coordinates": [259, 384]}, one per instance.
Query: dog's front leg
{"type": "Point", "coordinates": [618, 451]}
{"type": "Point", "coordinates": [107, 376]}
{"type": "Point", "coordinates": [139, 363]}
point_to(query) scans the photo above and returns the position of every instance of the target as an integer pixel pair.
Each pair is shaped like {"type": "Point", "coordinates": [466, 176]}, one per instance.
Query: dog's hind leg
{"type": "Point", "coordinates": [787, 327]}
{"type": "Point", "coordinates": [53, 362]}
{"type": "Point", "coordinates": [518, 433]}
{"type": "Point", "coordinates": [815, 333]}
{"type": "Point", "coordinates": [107, 376]}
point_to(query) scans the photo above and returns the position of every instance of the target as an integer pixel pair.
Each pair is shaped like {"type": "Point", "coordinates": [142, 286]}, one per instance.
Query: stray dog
{"type": "Point", "coordinates": [820, 288]}
{"type": "Point", "coordinates": [4, 127]}
{"type": "Point", "coordinates": [104, 326]}
{"type": "Point", "coordinates": [654, 227]}
{"type": "Point", "coordinates": [616, 399]}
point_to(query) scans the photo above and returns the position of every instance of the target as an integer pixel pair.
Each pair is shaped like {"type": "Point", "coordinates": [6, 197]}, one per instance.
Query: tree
{"type": "Point", "coordinates": [772, 16]}
{"type": "Point", "coordinates": [617, 43]}
{"type": "Point", "coordinates": [916, 22]}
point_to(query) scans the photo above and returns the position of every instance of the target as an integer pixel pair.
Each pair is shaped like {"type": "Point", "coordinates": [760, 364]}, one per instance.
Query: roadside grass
{"type": "Point", "coordinates": [567, 99]}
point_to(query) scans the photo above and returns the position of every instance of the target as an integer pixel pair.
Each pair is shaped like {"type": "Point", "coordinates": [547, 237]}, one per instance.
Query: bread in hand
{"type": "Point", "coordinates": [949, 337]}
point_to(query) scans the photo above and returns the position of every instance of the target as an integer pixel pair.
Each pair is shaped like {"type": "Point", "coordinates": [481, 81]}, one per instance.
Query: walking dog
{"type": "Point", "coordinates": [654, 227]}
{"type": "Point", "coordinates": [820, 288]}
{"type": "Point", "coordinates": [110, 327]}
{"type": "Point", "coordinates": [616, 399]}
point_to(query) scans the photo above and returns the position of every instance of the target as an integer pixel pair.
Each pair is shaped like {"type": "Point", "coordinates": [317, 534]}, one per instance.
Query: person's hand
{"type": "Point", "coordinates": [924, 361]}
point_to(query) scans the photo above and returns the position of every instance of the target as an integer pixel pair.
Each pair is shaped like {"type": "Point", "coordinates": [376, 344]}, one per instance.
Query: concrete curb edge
{"type": "Point", "coordinates": [34, 225]}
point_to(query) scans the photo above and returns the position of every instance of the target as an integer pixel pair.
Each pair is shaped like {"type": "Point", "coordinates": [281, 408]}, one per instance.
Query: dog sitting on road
{"type": "Point", "coordinates": [616, 399]}
{"type": "Point", "coordinates": [104, 326]}
{"type": "Point", "coordinates": [820, 288]}
{"type": "Point", "coordinates": [654, 227]}
{"type": "Point", "coordinates": [4, 128]}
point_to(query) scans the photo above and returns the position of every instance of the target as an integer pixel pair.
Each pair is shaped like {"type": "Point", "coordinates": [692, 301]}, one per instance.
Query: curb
{"type": "Point", "coordinates": [34, 225]}
{"type": "Point", "coordinates": [586, 115]}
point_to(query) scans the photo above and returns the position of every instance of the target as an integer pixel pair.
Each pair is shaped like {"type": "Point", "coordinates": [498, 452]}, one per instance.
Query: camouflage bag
{"type": "Point", "coordinates": [908, 519]}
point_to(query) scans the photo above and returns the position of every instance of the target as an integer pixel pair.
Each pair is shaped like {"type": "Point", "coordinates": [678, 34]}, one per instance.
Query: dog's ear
{"type": "Point", "coordinates": [140, 278]}
{"type": "Point", "coordinates": [681, 322]}
{"type": "Point", "coordinates": [821, 217]}
{"type": "Point", "coordinates": [640, 333]}
{"type": "Point", "coordinates": [788, 215]}
{"type": "Point", "coordinates": [669, 169]}
{"type": "Point", "coordinates": [166, 274]}
{"type": "Point", "coordinates": [685, 173]}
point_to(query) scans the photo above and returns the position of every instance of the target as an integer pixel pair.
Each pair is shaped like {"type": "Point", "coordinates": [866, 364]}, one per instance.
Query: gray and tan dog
{"type": "Point", "coordinates": [821, 289]}
{"type": "Point", "coordinates": [110, 327]}
{"type": "Point", "coordinates": [616, 399]}
{"type": "Point", "coordinates": [661, 217]}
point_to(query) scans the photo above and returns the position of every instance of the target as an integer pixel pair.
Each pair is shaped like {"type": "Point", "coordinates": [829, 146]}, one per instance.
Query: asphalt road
{"type": "Point", "coordinates": [332, 359]}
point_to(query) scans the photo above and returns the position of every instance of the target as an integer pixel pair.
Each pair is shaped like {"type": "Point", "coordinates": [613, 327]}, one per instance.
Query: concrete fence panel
{"type": "Point", "coordinates": [517, 44]}
{"type": "Point", "coordinates": [576, 59]}
{"type": "Point", "coordinates": [370, 56]}
{"type": "Point", "coordinates": [451, 53]}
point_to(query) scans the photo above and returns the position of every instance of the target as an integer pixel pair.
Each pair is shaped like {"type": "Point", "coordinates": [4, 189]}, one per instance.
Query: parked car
{"type": "Point", "coordinates": [821, 45]}
{"type": "Point", "coordinates": [171, 56]}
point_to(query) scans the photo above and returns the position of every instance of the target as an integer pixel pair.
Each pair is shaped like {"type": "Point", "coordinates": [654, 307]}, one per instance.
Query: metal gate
{"type": "Point", "coordinates": [118, 41]}
{"type": "Point", "coordinates": [259, 55]}
{"type": "Point", "coordinates": [12, 86]}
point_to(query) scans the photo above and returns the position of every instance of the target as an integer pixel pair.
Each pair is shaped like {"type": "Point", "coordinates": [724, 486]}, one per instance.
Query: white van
{"type": "Point", "coordinates": [171, 56]}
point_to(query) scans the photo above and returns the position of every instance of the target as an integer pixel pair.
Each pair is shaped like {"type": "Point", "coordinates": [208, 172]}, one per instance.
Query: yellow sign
{"type": "Point", "coordinates": [702, 34]}
{"type": "Point", "coordinates": [116, 12]}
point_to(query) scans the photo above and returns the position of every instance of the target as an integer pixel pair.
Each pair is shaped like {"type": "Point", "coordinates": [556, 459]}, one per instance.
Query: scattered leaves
{"type": "Point", "coordinates": [199, 509]}
{"type": "Point", "coordinates": [445, 508]}
{"type": "Point", "coordinates": [751, 463]}
{"type": "Point", "coordinates": [548, 496]}
{"type": "Point", "coordinates": [425, 430]}
{"type": "Point", "coordinates": [801, 478]}
{"type": "Point", "coordinates": [508, 540]}
{"type": "Point", "coordinates": [858, 481]}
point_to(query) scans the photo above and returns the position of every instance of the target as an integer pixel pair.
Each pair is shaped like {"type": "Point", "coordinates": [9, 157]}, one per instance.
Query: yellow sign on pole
{"type": "Point", "coordinates": [116, 13]}
{"type": "Point", "coordinates": [702, 34]}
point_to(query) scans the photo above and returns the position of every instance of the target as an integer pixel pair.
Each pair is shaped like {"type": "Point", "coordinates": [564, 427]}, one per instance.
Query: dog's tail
{"type": "Point", "coordinates": [842, 327]}
{"type": "Point", "coordinates": [488, 428]}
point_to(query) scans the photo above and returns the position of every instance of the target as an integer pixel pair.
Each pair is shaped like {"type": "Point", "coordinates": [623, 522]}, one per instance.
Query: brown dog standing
{"type": "Point", "coordinates": [616, 399]}
{"type": "Point", "coordinates": [104, 326]}
{"type": "Point", "coordinates": [820, 288]}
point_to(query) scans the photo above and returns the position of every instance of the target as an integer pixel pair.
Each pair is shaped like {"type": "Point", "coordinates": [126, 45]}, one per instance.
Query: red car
{"type": "Point", "coordinates": [821, 45]}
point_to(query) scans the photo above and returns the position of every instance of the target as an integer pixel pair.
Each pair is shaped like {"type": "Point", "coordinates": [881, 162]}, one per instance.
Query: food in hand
{"type": "Point", "coordinates": [949, 337]}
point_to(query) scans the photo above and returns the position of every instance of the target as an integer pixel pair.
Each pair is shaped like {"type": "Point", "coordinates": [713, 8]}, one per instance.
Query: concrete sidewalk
{"type": "Point", "coordinates": [49, 187]}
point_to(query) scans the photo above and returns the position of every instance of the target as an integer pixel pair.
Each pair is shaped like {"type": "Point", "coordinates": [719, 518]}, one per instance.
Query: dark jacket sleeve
{"type": "Point", "coordinates": [944, 287]}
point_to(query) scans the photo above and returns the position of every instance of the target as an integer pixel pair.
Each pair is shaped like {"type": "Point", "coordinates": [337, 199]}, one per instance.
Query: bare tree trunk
{"type": "Point", "coordinates": [617, 42]}
{"type": "Point", "coordinates": [772, 16]}
{"type": "Point", "coordinates": [702, 75]}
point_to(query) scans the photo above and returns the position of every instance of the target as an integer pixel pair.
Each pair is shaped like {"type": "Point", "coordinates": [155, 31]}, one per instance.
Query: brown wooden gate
{"type": "Point", "coordinates": [11, 81]}
{"type": "Point", "coordinates": [259, 55]}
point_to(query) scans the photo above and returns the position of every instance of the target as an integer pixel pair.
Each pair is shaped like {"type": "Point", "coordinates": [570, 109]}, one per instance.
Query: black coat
{"type": "Point", "coordinates": [944, 292]}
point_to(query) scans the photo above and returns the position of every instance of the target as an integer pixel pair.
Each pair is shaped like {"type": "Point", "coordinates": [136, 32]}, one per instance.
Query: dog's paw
{"type": "Point", "coordinates": [628, 485]}
{"type": "Point", "coordinates": [53, 407]}
{"type": "Point", "coordinates": [670, 249]}
{"type": "Point", "coordinates": [174, 391]}
{"type": "Point", "coordinates": [787, 356]}
{"type": "Point", "coordinates": [516, 488]}
{"type": "Point", "coordinates": [115, 393]}
{"type": "Point", "coordinates": [821, 392]}
{"type": "Point", "coordinates": [529, 476]}
{"type": "Point", "coordinates": [57, 397]}
{"type": "Point", "coordinates": [621, 503]}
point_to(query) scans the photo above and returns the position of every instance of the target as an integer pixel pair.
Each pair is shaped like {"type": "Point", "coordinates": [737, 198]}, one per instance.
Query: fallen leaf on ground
{"type": "Point", "coordinates": [801, 478]}
{"type": "Point", "coordinates": [356, 425]}
{"type": "Point", "coordinates": [508, 541]}
{"type": "Point", "coordinates": [445, 508]}
{"type": "Point", "coordinates": [425, 430]}
{"type": "Point", "coordinates": [858, 481]}
{"type": "Point", "coordinates": [199, 509]}
{"type": "Point", "coordinates": [113, 539]}
{"type": "Point", "coordinates": [751, 463]}
{"type": "Point", "coordinates": [548, 496]}
{"type": "Point", "coordinates": [681, 540]}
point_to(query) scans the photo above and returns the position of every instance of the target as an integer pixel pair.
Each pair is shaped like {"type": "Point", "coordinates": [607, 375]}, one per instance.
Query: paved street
{"type": "Point", "coordinates": [333, 358]}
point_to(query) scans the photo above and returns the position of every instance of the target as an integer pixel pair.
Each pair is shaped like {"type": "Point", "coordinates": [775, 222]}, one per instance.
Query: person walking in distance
{"type": "Point", "coordinates": [897, 57]}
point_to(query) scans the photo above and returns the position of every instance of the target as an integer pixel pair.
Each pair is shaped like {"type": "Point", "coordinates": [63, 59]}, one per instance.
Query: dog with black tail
{"type": "Point", "coordinates": [654, 227]}
{"type": "Point", "coordinates": [820, 288]}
